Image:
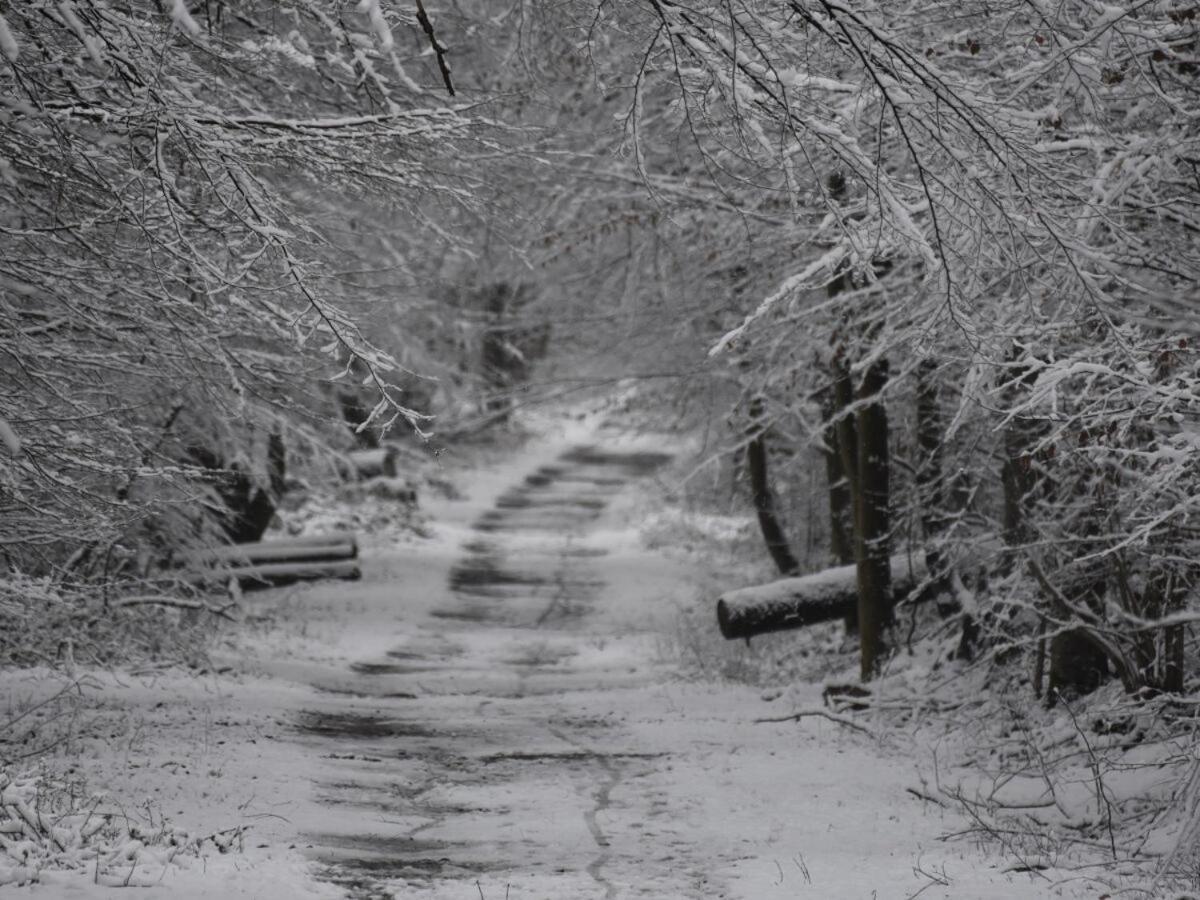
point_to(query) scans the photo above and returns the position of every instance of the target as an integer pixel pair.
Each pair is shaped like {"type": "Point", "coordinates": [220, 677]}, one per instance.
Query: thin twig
{"type": "Point", "coordinates": [823, 713]}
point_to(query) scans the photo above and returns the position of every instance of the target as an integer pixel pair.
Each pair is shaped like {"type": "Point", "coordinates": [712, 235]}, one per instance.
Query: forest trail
{"type": "Point", "coordinates": [523, 731]}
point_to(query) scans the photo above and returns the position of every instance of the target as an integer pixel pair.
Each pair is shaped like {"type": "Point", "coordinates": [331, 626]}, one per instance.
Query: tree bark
{"type": "Point", "coordinates": [845, 435]}
{"type": "Point", "coordinates": [931, 476]}
{"type": "Point", "coordinates": [1173, 669]}
{"type": "Point", "coordinates": [932, 497]}
{"type": "Point", "coordinates": [841, 500]}
{"type": "Point", "coordinates": [249, 507]}
{"type": "Point", "coordinates": [1016, 472]}
{"type": "Point", "coordinates": [873, 521]}
{"type": "Point", "coordinates": [764, 499]}
{"type": "Point", "coordinates": [841, 437]}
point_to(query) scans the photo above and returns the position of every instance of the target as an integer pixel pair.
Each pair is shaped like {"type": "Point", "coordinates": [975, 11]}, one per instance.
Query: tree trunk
{"type": "Point", "coordinates": [508, 347]}
{"type": "Point", "coordinates": [931, 477]}
{"type": "Point", "coordinates": [845, 442]}
{"type": "Point", "coordinates": [249, 507]}
{"type": "Point", "coordinates": [841, 500]}
{"type": "Point", "coordinates": [932, 491]}
{"type": "Point", "coordinates": [1016, 472]}
{"type": "Point", "coordinates": [1173, 637]}
{"type": "Point", "coordinates": [841, 439]}
{"type": "Point", "coordinates": [764, 499]}
{"type": "Point", "coordinates": [1077, 666]}
{"type": "Point", "coordinates": [1157, 653]}
{"type": "Point", "coordinates": [873, 522]}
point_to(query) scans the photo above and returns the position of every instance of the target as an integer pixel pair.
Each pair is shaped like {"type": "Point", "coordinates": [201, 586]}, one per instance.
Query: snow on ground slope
{"type": "Point", "coordinates": [497, 711]}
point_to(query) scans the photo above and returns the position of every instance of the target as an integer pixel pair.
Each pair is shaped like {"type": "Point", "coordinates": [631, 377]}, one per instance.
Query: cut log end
{"type": "Point", "coordinates": [740, 620]}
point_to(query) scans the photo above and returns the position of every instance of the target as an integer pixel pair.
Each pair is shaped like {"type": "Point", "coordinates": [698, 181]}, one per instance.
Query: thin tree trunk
{"type": "Point", "coordinates": [1173, 637]}
{"type": "Point", "coordinates": [841, 500]}
{"type": "Point", "coordinates": [841, 438]}
{"type": "Point", "coordinates": [932, 495]}
{"type": "Point", "coordinates": [1016, 473]}
{"type": "Point", "coordinates": [841, 463]}
{"type": "Point", "coordinates": [845, 442]}
{"type": "Point", "coordinates": [764, 499]}
{"type": "Point", "coordinates": [931, 477]}
{"type": "Point", "coordinates": [496, 353]}
{"type": "Point", "coordinates": [873, 522]}
{"type": "Point", "coordinates": [841, 506]}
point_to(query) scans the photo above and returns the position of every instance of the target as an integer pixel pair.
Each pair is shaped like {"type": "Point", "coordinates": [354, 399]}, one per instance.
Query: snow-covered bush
{"type": "Point", "coordinates": [44, 826]}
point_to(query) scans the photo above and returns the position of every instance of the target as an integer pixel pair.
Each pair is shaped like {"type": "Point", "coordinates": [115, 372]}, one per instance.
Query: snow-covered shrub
{"type": "Point", "coordinates": [44, 825]}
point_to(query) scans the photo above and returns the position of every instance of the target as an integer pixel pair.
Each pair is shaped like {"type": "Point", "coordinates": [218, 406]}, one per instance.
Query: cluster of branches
{"type": "Point", "coordinates": [175, 287]}
{"type": "Point", "coordinates": [985, 218]}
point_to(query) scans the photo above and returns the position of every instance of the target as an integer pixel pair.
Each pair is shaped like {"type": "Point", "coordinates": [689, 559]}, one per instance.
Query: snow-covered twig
{"type": "Point", "coordinates": [821, 713]}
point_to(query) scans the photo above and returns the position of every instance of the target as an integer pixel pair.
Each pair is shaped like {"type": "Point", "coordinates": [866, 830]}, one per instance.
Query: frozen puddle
{"type": "Point", "coordinates": [459, 753]}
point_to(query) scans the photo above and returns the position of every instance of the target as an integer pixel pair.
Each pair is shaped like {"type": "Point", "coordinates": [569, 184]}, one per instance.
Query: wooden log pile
{"type": "Point", "coordinates": [277, 562]}
{"type": "Point", "coordinates": [805, 600]}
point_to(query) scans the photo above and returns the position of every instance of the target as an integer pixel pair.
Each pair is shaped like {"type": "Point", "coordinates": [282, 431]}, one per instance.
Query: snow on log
{"type": "Point", "coordinates": [280, 573]}
{"type": "Point", "coordinates": [283, 561]}
{"type": "Point", "coordinates": [318, 548]}
{"type": "Point", "coordinates": [805, 600]}
{"type": "Point", "coordinates": [373, 463]}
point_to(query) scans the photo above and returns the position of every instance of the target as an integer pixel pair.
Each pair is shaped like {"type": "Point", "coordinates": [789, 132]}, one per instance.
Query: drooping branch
{"type": "Point", "coordinates": [438, 49]}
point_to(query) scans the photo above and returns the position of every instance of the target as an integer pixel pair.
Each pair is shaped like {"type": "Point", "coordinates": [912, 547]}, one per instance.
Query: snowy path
{"type": "Point", "coordinates": [511, 726]}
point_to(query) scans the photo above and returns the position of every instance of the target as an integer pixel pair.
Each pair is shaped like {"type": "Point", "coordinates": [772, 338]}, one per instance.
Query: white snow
{"type": "Point", "coordinates": [9, 438]}
{"type": "Point", "coordinates": [378, 23]}
{"type": "Point", "coordinates": [816, 586]}
{"type": "Point", "coordinates": [183, 19]}
{"type": "Point", "coordinates": [636, 780]}
{"type": "Point", "coordinates": [8, 44]}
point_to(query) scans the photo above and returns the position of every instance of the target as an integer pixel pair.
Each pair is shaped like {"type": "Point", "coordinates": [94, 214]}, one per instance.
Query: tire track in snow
{"type": "Point", "coordinates": [521, 607]}
{"type": "Point", "coordinates": [603, 800]}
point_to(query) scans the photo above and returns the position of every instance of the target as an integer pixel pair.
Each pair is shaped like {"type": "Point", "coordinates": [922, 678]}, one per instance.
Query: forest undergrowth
{"type": "Point", "coordinates": [53, 814]}
{"type": "Point", "coordinates": [64, 636]}
{"type": "Point", "coordinates": [1102, 788]}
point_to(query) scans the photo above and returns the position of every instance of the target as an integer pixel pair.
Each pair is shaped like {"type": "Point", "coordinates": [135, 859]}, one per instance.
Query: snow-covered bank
{"type": "Point", "coordinates": [197, 768]}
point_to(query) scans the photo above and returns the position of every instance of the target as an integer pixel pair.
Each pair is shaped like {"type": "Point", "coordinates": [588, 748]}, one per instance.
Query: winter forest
{"type": "Point", "coordinates": [664, 448]}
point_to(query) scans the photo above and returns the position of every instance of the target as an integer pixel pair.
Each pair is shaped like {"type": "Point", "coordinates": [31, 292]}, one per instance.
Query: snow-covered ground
{"type": "Point", "coordinates": [496, 710]}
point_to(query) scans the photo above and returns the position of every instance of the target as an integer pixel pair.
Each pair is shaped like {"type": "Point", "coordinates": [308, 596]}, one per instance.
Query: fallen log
{"type": "Point", "coordinates": [805, 600]}
{"type": "Point", "coordinates": [281, 573]}
{"type": "Point", "coordinates": [278, 562]}
{"type": "Point", "coordinates": [313, 548]}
